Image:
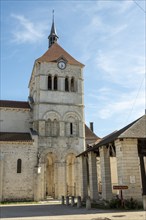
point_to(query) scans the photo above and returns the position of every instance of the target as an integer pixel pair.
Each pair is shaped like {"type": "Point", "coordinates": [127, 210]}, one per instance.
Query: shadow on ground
{"type": "Point", "coordinates": [45, 210]}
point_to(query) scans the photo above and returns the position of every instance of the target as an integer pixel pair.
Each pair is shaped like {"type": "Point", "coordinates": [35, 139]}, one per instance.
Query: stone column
{"type": "Point", "coordinates": [62, 200]}
{"type": "Point", "coordinates": [62, 129]}
{"type": "Point", "coordinates": [79, 203]}
{"type": "Point", "coordinates": [93, 189]}
{"type": "Point", "coordinates": [83, 178]}
{"type": "Point", "coordinates": [42, 127]}
{"type": "Point", "coordinates": [62, 84]}
{"type": "Point", "coordinates": [37, 184]}
{"type": "Point", "coordinates": [105, 173]}
{"type": "Point", "coordinates": [144, 162]}
{"type": "Point", "coordinates": [72, 200]}
{"type": "Point", "coordinates": [144, 202]}
{"type": "Point", "coordinates": [143, 174]}
{"type": "Point", "coordinates": [61, 178]}
{"type": "Point", "coordinates": [1, 178]}
{"type": "Point", "coordinates": [56, 179]}
{"type": "Point", "coordinates": [88, 203]}
{"type": "Point", "coordinates": [128, 167]}
{"type": "Point", "coordinates": [67, 200]}
{"type": "Point", "coordinates": [42, 181]}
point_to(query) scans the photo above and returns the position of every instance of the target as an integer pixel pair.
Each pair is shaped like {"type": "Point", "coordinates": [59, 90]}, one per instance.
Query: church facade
{"type": "Point", "coordinates": [46, 150]}
{"type": "Point", "coordinates": [41, 138]}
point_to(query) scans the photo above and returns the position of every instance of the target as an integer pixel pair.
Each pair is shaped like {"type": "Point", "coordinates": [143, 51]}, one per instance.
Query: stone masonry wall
{"type": "Point", "coordinates": [17, 186]}
{"type": "Point", "coordinates": [128, 167]}
{"type": "Point", "coordinates": [15, 120]}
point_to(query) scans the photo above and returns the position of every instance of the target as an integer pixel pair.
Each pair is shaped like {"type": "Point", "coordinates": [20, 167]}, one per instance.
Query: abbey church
{"type": "Point", "coordinates": [41, 138]}
{"type": "Point", "coordinates": [46, 149]}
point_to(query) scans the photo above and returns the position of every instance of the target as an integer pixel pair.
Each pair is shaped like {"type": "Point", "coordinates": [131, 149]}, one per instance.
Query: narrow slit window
{"type": "Point", "coordinates": [49, 83]}
{"type": "Point", "coordinates": [66, 84]}
{"type": "Point", "coordinates": [72, 85]}
{"type": "Point", "coordinates": [19, 166]}
{"type": "Point", "coordinates": [71, 128]}
{"type": "Point", "coordinates": [55, 83]}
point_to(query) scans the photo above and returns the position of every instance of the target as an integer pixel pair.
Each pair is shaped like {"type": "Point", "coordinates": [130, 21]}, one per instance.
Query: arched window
{"type": "Point", "coordinates": [72, 127]}
{"type": "Point", "coordinates": [55, 128]}
{"type": "Point", "coordinates": [48, 128]}
{"type": "Point", "coordinates": [52, 127]}
{"type": "Point", "coordinates": [19, 165]}
{"type": "Point", "coordinates": [55, 83]}
{"type": "Point", "coordinates": [49, 82]}
{"type": "Point", "coordinates": [66, 84]}
{"type": "Point", "coordinates": [72, 85]}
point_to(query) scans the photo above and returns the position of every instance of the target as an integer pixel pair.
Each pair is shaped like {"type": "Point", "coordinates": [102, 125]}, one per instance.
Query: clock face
{"type": "Point", "coordinates": [61, 65]}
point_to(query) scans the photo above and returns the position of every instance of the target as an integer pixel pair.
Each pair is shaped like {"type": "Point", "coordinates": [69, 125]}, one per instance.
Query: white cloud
{"type": "Point", "coordinates": [124, 70]}
{"type": "Point", "coordinates": [127, 105]}
{"type": "Point", "coordinates": [125, 6]}
{"type": "Point", "coordinates": [101, 94]}
{"type": "Point", "coordinates": [26, 31]}
{"type": "Point", "coordinates": [110, 31]}
{"type": "Point", "coordinates": [101, 5]}
{"type": "Point", "coordinates": [119, 107]}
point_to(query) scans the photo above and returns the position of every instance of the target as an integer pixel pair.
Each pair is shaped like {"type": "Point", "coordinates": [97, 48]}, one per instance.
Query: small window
{"type": "Point", "coordinates": [66, 84]}
{"type": "Point", "coordinates": [55, 83]}
{"type": "Point", "coordinates": [72, 85]}
{"type": "Point", "coordinates": [49, 83]}
{"type": "Point", "coordinates": [71, 128]}
{"type": "Point", "coordinates": [19, 165]}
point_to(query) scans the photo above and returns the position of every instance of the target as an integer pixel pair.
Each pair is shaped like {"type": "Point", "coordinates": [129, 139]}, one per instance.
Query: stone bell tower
{"type": "Point", "coordinates": [57, 101]}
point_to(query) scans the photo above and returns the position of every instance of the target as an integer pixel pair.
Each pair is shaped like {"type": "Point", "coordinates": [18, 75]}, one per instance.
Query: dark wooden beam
{"type": "Point", "coordinates": [143, 174]}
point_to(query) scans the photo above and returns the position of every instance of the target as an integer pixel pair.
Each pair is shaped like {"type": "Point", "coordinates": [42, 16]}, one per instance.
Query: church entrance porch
{"type": "Point", "coordinates": [58, 175]}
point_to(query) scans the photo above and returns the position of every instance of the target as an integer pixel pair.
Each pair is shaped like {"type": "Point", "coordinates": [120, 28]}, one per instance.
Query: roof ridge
{"type": "Point", "coordinates": [56, 51]}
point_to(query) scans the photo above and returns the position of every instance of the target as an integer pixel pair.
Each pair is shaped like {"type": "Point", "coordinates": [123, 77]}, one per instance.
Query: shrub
{"type": "Point", "coordinates": [132, 204]}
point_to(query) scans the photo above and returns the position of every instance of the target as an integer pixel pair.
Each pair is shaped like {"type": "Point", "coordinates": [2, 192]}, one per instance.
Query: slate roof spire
{"type": "Point", "coordinates": [53, 35]}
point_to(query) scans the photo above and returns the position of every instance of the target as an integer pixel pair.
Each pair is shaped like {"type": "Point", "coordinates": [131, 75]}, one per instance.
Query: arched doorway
{"type": "Point", "coordinates": [50, 175]}
{"type": "Point", "coordinates": [70, 172]}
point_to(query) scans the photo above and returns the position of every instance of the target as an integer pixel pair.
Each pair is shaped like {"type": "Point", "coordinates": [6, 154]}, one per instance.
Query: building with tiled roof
{"type": "Point", "coordinates": [127, 149]}
{"type": "Point", "coordinates": [46, 149]}
{"type": "Point", "coordinates": [90, 137]}
{"type": "Point", "coordinates": [40, 138]}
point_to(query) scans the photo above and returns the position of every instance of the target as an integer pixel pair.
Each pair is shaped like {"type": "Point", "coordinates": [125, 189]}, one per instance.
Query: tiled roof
{"type": "Point", "coordinates": [55, 52]}
{"type": "Point", "coordinates": [136, 129]}
{"type": "Point", "coordinates": [14, 104]}
{"type": "Point", "coordinates": [14, 136]}
{"type": "Point", "coordinates": [90, 134]}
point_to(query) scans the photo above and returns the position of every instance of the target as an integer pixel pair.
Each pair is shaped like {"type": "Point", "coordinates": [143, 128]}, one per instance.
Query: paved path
{"type": "Point", "coordinates": [56, 211]}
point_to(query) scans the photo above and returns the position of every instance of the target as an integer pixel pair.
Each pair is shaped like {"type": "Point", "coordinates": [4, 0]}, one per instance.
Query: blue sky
{"type": "Point", "coordinates": [108, 36]}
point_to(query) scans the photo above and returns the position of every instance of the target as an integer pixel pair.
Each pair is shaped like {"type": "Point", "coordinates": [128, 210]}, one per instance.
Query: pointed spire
{"type": "Point", "coordinates": [53, 35]}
